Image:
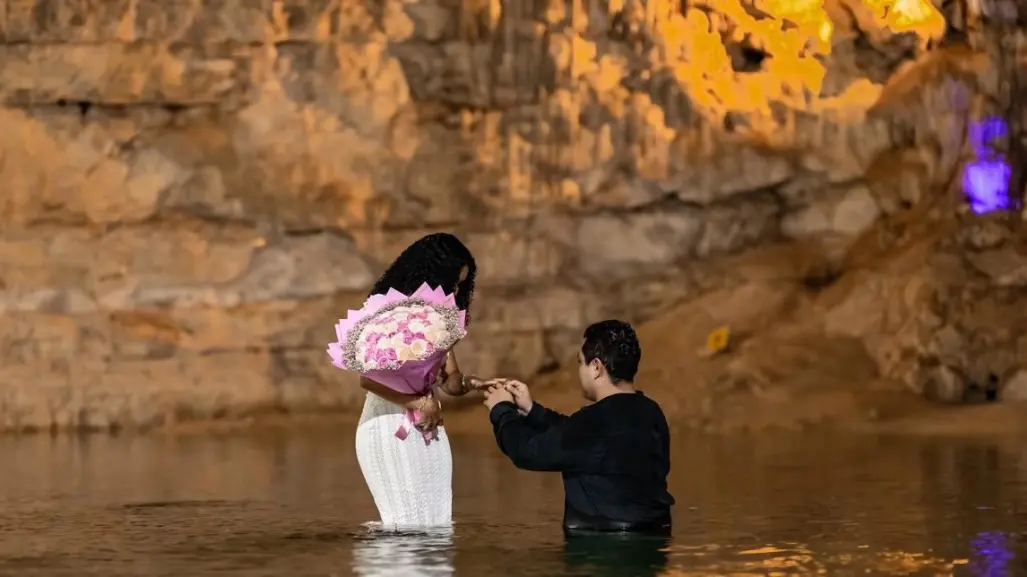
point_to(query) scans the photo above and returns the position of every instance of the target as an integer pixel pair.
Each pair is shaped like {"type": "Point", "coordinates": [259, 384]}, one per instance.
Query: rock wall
{"type": "Point", "coordinates": [193, 191]}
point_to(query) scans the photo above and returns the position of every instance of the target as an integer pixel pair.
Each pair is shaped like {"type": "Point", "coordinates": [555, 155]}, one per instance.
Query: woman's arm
{"type": "Point", "coordinates": [455, 383]}
{"type": "Point", "coordinates": [427, 405]}
{"type": "Point", "coordinates": [412, 402]}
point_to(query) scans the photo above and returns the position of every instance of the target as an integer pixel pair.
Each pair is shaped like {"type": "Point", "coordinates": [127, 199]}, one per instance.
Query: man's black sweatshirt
{"type": "Point", "coordinates": [614, 456]}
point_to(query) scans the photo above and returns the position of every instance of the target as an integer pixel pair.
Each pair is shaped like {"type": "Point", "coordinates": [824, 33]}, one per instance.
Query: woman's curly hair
{"type": "Point", "coordinates": [436, 259]}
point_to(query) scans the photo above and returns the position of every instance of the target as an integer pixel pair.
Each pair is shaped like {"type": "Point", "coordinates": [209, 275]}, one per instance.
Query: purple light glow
{"type": "Point", "coordinates": [992, 555]}
{"type": "Point", "coordinates": [984, 133]}
{"type": "Point", "coordinates": [986, 180]}
{"type": "Point", "coordinates": [986, 183]}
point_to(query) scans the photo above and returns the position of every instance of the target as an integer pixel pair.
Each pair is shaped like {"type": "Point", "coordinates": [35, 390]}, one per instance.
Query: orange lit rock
{"type": "Point", "coordinates": [193, 191]}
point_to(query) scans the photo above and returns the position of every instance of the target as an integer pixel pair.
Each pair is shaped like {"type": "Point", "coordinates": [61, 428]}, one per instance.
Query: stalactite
{"type": "Point", "coordinates": [495, 14]}
{"type": "Point", "coordinates": [510, 16]}
{"type": "Point", "coordinates": [1017, 156]}
{"type": "Point", "coordinates": [594, 25]}
{"type": "Point", "coordinates": [579, 19]}
{"type": "Point", "coordinates": [466, 21]}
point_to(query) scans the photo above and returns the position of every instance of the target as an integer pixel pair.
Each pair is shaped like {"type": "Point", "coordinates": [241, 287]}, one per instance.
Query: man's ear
{"type": "Point", "coordinates": [597, 368]}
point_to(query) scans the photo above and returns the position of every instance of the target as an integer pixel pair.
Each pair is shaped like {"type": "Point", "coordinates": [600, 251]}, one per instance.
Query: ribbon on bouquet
{"type": "Point", "coordinates": [410, 418]}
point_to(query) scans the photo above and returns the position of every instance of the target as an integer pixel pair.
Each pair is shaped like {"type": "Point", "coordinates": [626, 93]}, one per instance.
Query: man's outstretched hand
{"type": "Point", "coordinates": [495, 394]}
{"type": "Point", "coordinates": [499, 390]}
{"type": "Point", "coordinates": [520, 393]}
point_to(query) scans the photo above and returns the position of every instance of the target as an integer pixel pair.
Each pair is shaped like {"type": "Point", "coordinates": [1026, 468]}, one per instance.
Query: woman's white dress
{"type": "Point", "coordinates": [411, 481]}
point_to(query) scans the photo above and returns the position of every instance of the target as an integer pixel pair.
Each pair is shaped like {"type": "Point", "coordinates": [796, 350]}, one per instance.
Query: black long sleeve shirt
{"type": "Point", "coordinates": [614, 456]}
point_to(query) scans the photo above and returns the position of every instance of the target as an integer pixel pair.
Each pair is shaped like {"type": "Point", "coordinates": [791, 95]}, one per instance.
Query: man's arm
{"type": "Point", "coordinates": [541, 418]}
{"type": "Point", "coordinates": [528, 447]}
{"type": "Point", "coordinates": [536, 415]}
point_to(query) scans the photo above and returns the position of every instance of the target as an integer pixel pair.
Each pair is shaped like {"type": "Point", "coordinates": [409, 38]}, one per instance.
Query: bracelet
{"type": "Point", "coordinates": [422, 402]}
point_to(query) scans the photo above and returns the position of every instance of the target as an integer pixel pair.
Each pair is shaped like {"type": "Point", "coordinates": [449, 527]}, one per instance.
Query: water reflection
{"type": "Point", "coordinates": [992, 554]}
{"type": "Point", "coordinates": [378, 553]}
{"type": "Point", "coordinates": [293, 504]}
{"type": "Point", "coordinates": [620, 555]}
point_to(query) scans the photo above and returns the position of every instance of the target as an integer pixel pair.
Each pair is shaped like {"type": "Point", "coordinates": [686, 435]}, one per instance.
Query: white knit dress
{"type": "Point", "coordinates": [411, 481]}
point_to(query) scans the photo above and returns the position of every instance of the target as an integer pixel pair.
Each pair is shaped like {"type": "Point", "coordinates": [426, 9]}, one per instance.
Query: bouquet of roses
{"type": "Point", "coordinates": [400, 341]}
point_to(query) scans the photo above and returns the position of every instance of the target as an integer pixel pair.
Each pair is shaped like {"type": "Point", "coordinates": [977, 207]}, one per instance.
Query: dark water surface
{"type": "Point", "coordinates": [292, 504]}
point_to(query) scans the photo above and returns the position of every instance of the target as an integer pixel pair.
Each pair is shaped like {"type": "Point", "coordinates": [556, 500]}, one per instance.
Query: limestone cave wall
{"type": "Point", "coordinates": [191, 192]}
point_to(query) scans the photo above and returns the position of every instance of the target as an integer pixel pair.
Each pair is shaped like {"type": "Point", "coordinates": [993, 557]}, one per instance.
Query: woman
{"type": "Point", "coordinates": [410, 479]}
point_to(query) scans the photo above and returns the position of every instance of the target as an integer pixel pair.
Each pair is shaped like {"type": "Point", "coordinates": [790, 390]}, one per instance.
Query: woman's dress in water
{"type": "Point", "coordinates": [401, 342]}
{"type": "Point", "coordinates": [411, 481]}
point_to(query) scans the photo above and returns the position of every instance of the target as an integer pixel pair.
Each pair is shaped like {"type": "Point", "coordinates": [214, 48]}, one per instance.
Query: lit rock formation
{"type": "Point", "coordinates": [194, 191]}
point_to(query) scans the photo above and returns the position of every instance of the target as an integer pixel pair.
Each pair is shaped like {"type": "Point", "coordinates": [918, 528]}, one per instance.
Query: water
{"type": "Point", "coordinates": [293, 504]}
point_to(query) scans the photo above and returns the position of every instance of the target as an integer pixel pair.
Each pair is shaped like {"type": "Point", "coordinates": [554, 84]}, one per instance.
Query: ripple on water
{"type": "Point", "coordinates": [185, 504]}
{"type": "Point", "coordinates": [297, 506]}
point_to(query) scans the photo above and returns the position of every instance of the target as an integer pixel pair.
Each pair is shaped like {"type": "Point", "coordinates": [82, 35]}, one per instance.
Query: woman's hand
{"type": "Point", "coordinates": [453, 382]}
{"type": "Point", "coordinates": [431, 412]}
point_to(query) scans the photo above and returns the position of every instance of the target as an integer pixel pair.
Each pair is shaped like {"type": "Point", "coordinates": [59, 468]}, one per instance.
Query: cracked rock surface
{"type": "Point", "coordinates": [194, 191]}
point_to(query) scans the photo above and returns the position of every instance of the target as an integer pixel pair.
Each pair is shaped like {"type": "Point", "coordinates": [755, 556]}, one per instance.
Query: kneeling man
{"type": "Point", "coordinates": [614, 454]}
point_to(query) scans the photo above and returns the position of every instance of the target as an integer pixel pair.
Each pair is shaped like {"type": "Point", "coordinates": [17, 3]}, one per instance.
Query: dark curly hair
{"type": "Point", "coordinates": [615, 344]}
{"type": "Point", "coordinates": [436, 259]}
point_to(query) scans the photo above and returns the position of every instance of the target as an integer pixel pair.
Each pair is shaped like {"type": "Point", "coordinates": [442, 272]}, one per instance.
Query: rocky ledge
{"type": "Point", "coordinates": [194, 191]}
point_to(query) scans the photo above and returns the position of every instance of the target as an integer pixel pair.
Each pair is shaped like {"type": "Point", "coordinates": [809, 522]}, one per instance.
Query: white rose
{"type": "Point", "coordinates": [384, 327]}
{"type": "Point", "coordinates": [405, 353]}
{"type": "Point", "coordinates": [416, 326]}
{"type": "Point", "coordinates": [434, 334]}
{"type": "Point", "coordinates": [417, 349]}
{"type": "Point", "coordinates": [396, 342]}
{"type": "Point", "coordinates": [384, 344]}
{"type": "Point", "coordinates": [434, 318]}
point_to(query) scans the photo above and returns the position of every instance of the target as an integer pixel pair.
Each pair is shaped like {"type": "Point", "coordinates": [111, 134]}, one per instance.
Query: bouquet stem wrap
{"type": "Point", "coordinates": [400, 341]}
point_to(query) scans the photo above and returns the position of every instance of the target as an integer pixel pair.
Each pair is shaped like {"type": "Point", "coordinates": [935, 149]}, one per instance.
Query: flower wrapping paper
{"type": "Point", "coordinates": [399, 340]}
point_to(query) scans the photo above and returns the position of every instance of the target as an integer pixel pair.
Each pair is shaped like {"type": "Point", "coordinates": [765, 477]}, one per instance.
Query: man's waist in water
{"type": "Point", "coordinates": [578, 523]}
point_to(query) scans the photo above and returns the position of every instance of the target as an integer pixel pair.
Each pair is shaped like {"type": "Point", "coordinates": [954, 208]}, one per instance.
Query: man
{"type": "Point", "coordinates": [614, 454]}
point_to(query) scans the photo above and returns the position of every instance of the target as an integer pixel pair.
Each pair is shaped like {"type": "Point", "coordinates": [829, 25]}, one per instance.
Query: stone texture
{"type": "Point", "coordinates": [1015, 389]}
{"type": "Point", "coordinates": [118, 73]}
{"type": "Point", "coordinates": [195, 190]}
{"type": "Point", "coordinates": [627, 244]}
{"type": "Point", "coordinates": [847, 213]}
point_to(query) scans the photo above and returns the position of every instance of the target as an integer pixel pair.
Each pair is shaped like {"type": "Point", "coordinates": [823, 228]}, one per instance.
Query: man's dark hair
{"type": "Point", "coordinates": [436, 259]}
{"type": "Point", "coordinates": [615, 344]}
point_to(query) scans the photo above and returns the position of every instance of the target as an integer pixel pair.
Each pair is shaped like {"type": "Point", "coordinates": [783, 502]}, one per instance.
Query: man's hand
{"type": "Point", "coordinates": [520, 394]}
{"type": "Point", "coordinates": [495, 395]}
